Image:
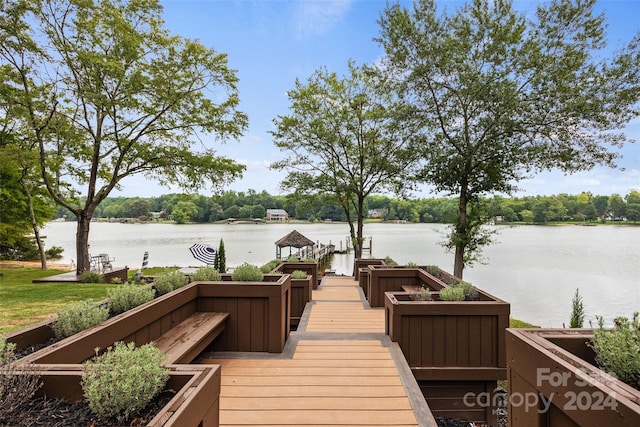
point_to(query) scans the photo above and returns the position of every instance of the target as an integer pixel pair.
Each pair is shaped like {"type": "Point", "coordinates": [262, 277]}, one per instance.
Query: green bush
{"type": "Point", "coordinates": [411, 264]}
{"type": "Point", "coordinates": [123, 379]}
{"type": "Point", "coordinates": [298, 274]}
{"type": "Point", "coordinates": [54, 252]}
{"type": "Point", "coordinates": [6, 351]}
{"type": "Point", "coordinates": [91, 277]}
{"type": "Point", "coordinates": [389, 261]}
{"type": "Point", "coordinates": [206, 274]}
{"type": "Point", "coordinates": [618, 350]}
{"type": "Point", "coordinates": [77, 317]}
{"type": "Point", "coordinates": [452, 294]}
{"type": "Point", "coordinates": [125, 297]}
{"type": "Point", "coordinates": [309, 260]}
{"type": "Point", "coordinates": [268, 267]}
{"type": "Point", "coordinates": [293, 258]}
{"type": "Point", "coordinates": [424, 294]}
{"type": "Point", "coordinates": [167, 282]}
{"type": "Point", "coordinates": [470, 291]}
{"type": "Point", "coordinates": [247, 273]}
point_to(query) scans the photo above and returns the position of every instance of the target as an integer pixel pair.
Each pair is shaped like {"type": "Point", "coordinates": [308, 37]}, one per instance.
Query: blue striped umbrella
{"type": "Point", "coordinates": [204, 253]}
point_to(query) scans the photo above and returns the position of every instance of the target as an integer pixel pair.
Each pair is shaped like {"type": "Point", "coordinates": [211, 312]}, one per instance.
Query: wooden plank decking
{"type": "Point", "coordinates": [338, 369]}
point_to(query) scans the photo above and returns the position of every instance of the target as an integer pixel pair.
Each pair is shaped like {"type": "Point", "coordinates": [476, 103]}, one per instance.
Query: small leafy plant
{"type": "Point", "coordinates": [390, 261]}
{"type": "Point", "coordinates": [618, 350]}
{"type": "Point", "coordinates": [123, 379]}
{"type": "Point", "coordinates": [298, 274]}
{"type": "Point", "coordinates": [268, 267]}
{"type": "Point", "coordinates": [167, 282]}
{"type": "Point", "coordinates": [77, 317]}
{"type": "Point", "coordinates": [126, 297]}
{"type": "Point", "coordinates": [91, 277]}
{"type": "Point", "coordinates": [206, 274]}
{"type": "Point", "coordinates": [470, 291]}
{"type": "Point", "coordinates": [247, 273]}
{"type": "Point", "coordinates": [423, 294]}
{"type": "Point", "coordinates": [452, 294]}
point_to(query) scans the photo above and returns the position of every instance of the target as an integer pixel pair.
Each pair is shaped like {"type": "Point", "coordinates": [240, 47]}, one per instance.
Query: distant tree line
{"type": "Point", "coordinates": [183, 208]}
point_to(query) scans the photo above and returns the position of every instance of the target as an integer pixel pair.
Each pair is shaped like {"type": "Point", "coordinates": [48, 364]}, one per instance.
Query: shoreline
{"type": "Point", "coordinates": [55, 265]}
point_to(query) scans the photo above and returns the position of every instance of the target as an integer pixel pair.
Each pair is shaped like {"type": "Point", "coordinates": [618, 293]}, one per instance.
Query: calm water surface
{"type": "Point", "coordinates": [536, 269]}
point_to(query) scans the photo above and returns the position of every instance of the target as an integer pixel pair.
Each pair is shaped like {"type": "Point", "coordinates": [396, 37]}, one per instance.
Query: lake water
{"type": "Point", "coordinates": [536, 269]}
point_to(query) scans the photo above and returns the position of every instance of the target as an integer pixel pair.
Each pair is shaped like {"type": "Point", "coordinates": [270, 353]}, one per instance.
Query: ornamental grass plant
{"type": "Point", "coordinates": [246, 272]}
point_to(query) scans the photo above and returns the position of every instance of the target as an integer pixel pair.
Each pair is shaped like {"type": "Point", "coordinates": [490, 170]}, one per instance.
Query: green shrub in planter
{"type": "Point", "coordinates": [424, 294]}
{"type": "Point", "coordinates": [124, 379]}
{"type": "Point", "coordinates": [470, 291]}
{"type": "Point", "coordinates": [167, 282]}
{"type": "Point", "coordinates": [247, 273]}
{"type": "Point", "coordinates": [91, 277]}
{"type": "Point", "coordinates": [126, 297]}
{"type": "Point", "coordinates": [6, 351]}
{"type": "Point", "coordinates": [77, 317]}
{"type": "Point", "coordinates": [206, 274]}
{"type": "Point", "coordinates": [298, 274]}
{"type": "Point", "coordinates": [268, 267]}
{"type": "Point", "coordinates": [618, 349]}
{"type": "Point", "coordinates": [389, 261]}
{"type": "Point", "coordinates": [452, 294]}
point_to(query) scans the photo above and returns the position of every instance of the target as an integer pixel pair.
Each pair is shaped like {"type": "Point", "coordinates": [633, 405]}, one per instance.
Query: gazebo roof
{"type": "Point", "coordinates": [294, 239]}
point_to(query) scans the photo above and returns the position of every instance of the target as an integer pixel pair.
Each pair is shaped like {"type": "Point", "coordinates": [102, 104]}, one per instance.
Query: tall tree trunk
{"type": "Point", "coordinates": [360, 226]}
{"type": "Point", "coordinates": [82, 242]}
{"type": "Point", "coordinates": [460, 232]}
{"type": "Point", "coordinates": [34, 225]}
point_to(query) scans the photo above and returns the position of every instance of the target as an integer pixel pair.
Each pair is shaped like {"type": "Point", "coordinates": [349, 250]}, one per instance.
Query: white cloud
{"type": "Point", "coordinates": [318, 17]}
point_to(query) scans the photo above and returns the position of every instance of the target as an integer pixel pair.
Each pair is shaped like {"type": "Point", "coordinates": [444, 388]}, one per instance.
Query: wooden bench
{"type": "Point", "coordinates": [187, 339]}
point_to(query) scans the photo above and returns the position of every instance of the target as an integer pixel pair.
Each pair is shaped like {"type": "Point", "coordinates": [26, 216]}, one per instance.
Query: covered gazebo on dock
{"type": "Point", "coordinates": [294, 240]}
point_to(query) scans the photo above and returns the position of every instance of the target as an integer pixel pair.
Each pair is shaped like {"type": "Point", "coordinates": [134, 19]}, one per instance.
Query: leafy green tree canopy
{"type": "Point", "coordinates": [343, 138]}
{"type": "Point", "coordinates": [499, 95]}
{"type": "Point", "coordinates": [111, 94]}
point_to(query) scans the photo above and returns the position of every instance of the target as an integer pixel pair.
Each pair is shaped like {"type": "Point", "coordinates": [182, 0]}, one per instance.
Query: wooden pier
{"type": "Point", "coordinates": [338, 369]}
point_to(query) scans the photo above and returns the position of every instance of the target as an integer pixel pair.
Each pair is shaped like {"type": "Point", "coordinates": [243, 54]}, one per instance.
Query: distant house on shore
{"type": "Point", "coordinates": [377, 213]}
{"type": "Point", "coordinates": [277, 215]}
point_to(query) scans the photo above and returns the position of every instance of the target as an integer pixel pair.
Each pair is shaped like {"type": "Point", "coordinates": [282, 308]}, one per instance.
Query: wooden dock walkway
{"type": "Point", "coordinates": [337, 369]}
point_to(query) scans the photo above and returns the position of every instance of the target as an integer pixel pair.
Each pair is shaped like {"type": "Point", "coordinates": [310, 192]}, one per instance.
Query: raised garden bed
{"type": "Point", "coordinates": [392, 279]}
{"type": "Point", "coordinates": [301, 291]}
{"type": "Point", "coordinates": [195, 402]}
{"type": "Point", "coordinates": [453, 348]}
{"type": "Point", "coordinates": [311, 268]}
{"type": "Point", "coordinates": [258, 320]}
{"type": "Point", "coordinates": [361, 263]}
{"type": "Point", "coordinates": [553, 380]}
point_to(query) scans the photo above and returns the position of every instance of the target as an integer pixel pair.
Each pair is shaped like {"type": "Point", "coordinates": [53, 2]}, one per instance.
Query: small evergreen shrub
{"type": "Point", "coordinates": [91, 277]}
{"type": "Point", "coordinates": [577, 311]}
{"type": "Point", "coordinates": [309, 260]}
{"type": "Point", "coordinates": [618, 350]}
{"type": "Point", "coordinates": [298, 274]}
{"type": "Point", "coordinates": [389, 261]}
{"type": "Point", "coordinates": [433, 270]}
{"type": "Point", "coordinates": [77, 317]}
{"type": "Point", "coordinates": [206, 274]}
{"type": "Point", "coordinates": [123, 380]}
{"type": "Point", "coordinates": [452, 294]}
{"type": "Point", "coordinates": [293, 258]}
{"type": "Point", "coordinates": [268, 267]}
{"type": "Point", "coordinates": [412, 264]}
{"type": "Point", "coordinates": [126, 297]}
{"type": "Point", "coordinates": [6, 351]}
{"type": "Point", "coordinates": [470, 291]}
{"type": "Point", "coordinates": [247, 273]}
{"type": "Point", "coordinates": [167, 282]}
{"type": "Point", "coordinates": [424, 294]}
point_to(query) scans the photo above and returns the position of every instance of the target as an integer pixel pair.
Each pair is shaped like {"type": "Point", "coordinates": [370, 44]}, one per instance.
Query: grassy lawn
{"type": "Point", "coordinates": [23, 302]}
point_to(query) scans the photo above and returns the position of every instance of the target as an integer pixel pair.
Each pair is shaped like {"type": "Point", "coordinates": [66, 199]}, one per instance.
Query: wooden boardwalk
{"type": "Point", "coordinates": [338, 369]}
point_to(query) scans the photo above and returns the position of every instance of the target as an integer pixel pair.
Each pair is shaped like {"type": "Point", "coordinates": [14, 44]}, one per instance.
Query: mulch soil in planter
{"type": "Point", "coordinates": [42, 412]}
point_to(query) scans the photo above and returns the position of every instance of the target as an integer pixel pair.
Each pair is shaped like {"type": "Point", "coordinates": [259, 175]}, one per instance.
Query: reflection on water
{"type": "Point", "coordinates": [536, 269]}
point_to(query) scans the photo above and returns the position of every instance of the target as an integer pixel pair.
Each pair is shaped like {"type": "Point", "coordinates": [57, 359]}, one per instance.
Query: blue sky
{"type": "Point", "coordinates": [272, 42]}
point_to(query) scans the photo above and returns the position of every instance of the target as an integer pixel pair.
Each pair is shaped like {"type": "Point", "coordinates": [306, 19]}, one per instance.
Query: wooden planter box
{"type": "Point", "coordinates": [258, 320]}
{"type": "Point", "coordinates": [311, 268]}
{"type": "Point", "coordinates": [392, 278]}
{"type": "Point", "coordinates": [452, 348]}
{"type": "Point", "coordinates": [195, 404]}
{"type": "Point", "coordinates": [260, 312]}
{"type": "Point", "coordinates": [121, 275]}
{"type": "Point", "coordinates": [300, 295]}
{"type": "Point", "coordinates": [553, 381]}
{"type": "Point", "coordinates": [360, 263]}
